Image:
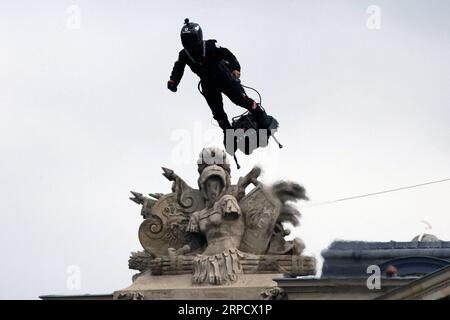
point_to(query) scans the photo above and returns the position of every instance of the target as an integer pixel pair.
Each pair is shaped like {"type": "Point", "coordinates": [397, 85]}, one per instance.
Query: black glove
{"type": "Point", "coordinates": [172, 86]}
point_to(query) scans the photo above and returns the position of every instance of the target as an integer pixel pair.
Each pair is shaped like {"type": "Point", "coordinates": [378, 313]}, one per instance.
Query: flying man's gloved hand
{"type": "Point", "coordinates": [172, 85]}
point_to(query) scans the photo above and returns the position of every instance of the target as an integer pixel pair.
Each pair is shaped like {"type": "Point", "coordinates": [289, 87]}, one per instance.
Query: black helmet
{"type": "Point", "coordinates": [191, 34]}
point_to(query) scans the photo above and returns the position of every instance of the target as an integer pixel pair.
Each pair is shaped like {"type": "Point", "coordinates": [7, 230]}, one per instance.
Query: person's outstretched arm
{"type": "Point", "coordinates": [177, 72]}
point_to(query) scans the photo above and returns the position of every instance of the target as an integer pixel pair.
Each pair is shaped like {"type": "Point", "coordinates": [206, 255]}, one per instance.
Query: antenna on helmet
{"type": "Point", "coordinates": [186, 21]}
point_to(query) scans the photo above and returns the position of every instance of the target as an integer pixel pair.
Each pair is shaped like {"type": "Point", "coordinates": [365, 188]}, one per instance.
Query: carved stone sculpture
{"type": "Point", "coordinates": [219, 232]}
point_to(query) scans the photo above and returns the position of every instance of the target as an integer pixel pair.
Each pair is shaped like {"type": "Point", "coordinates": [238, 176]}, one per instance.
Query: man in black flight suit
{"type": "Point", "coordinates": [219, 72]}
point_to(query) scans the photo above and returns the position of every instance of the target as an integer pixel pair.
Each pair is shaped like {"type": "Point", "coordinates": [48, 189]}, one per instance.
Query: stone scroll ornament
{"type": "Point", "coordinates": [219, 231]}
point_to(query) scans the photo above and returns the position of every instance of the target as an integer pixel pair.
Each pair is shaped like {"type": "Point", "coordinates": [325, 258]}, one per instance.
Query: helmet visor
{"type": "Point", "coordinates": [190, 40]}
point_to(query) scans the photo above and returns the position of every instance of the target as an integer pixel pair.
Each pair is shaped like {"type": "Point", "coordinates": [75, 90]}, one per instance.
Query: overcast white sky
{"type": "Point", "coordinates": [86, 117]}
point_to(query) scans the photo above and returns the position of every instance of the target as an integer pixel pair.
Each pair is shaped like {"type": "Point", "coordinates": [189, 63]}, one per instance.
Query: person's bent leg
{"type": "Point", "coordinates": [236, 93]}
{"type": "Point", "coordinates": [213, 97]}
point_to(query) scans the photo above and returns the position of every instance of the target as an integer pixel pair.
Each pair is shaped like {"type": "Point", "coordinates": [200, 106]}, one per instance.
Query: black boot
{"type": "Point", "coordinates": [224, 124]}
{"type": "Point", "coordinates": [231, 146]}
